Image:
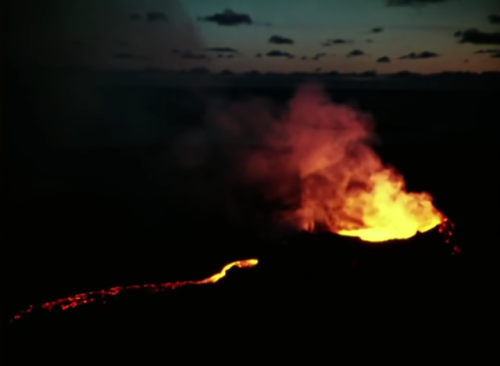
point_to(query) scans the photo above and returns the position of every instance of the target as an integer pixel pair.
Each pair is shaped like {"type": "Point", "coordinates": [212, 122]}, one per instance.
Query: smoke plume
{"type": "Point", "coordinates": [314, 160]}
{"type": "Point", "coordinates": [281, 151]}
{"type": "Point", "coordinates": [63, 69]}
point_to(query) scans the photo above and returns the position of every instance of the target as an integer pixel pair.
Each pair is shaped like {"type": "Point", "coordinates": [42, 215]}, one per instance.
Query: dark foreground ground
{"type": "Point", "coordinates": [294, 301]}
{"type": "Point", "coordinates": [107, 213]}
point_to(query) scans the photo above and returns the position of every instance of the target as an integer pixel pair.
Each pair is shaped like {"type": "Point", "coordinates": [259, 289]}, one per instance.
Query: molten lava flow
{"type": "Point", "coordinates": [93, 296]}
{"type": "Point", "coordinates": [389, 212]}
{"type": "Point", "coordinates": [446, 229]}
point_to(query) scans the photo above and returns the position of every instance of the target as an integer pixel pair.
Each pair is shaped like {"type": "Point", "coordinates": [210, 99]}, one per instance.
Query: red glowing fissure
{"type": "Point", "coordinates": [101, 295]}
{"type": "Point", "coordinates": [446, 228]}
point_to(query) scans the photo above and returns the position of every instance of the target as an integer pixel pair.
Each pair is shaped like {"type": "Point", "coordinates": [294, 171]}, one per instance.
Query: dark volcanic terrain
{"type": "Point", "coordinates": [83, 216]}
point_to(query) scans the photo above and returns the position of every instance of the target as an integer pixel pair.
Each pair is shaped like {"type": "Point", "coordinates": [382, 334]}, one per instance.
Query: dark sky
{"type": "Point", "coordinates": [341, 35]}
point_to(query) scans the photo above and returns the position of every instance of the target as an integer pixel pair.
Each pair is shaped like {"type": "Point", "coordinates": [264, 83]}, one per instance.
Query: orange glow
{"type": "Point", "coordinates": [344, 185]}
{"type": "Point", "coordinates": [101, 295]}
{"type": "Point", "coordinates": [388, 211]}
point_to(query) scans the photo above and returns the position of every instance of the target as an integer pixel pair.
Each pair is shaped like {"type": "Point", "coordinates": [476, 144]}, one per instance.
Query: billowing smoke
{"type": "Point", "coordinates": [276, 149]}
{"type": "Point", "coordinates": [66, 63]}
{"type": "Point", "coordinates": [314, 162]}
{"type": "Point", "coordinates": [91, 33]}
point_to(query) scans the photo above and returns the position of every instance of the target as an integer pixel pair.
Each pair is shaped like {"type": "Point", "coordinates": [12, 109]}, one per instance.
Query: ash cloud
{"type": "Point", "coordinates": [71, 105]}
{"type": "Point", "coordinates": [309, 142]}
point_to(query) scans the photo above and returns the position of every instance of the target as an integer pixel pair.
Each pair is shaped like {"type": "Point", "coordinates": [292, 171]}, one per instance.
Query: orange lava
{"type": "Point", "coordinates": [94, 296]}
{"type": "Point", "coordinates": [345, 187]}
{"type": "Point", "coordinates": [388, 211]}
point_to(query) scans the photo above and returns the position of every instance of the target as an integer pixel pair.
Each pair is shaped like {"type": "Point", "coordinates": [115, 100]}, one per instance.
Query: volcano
{"type": "Point", "coordinates": [352, 236]}
{"type": "Point", "coordinates": [312, 278]}
{"type": "Point", "coordinates": [331, 253]}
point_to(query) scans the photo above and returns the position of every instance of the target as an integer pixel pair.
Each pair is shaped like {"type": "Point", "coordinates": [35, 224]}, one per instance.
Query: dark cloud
{"type": "Point", "coordinates": [78, 43]}
{"type": "Point", "coordinates": [494, 19]}
{"type": "Point", "coordinates": [331, 42]}
{"type": "Point", "coordinates": [341, 41]}
{"type": "Point", "coordinates": [189, 55]}
{"type": "Point", "coordinates": [369, 41]}
{"type": "Point", "coordinates": [494, 53]}
{"type": "Point", "coordinates": [475, 36]}
{"type": "Point", "coordinates": [419, 56]}
{"type": "Point", "coordinates": [377, 30]}
{"type": "Point", "coordinates": [355, 53]}
{"type": "Point", "coordinates": [253, 73]}
{"type": "Point", "coordinates": [384, 59]}
{"type": "Point", "coordinates": [317, 56]}
{"type": "Point", "coordinates": [413, 2]}
{"type": "Point", "coordinates": [198, 71]}
{"type": "Point", "coordinates": [125, 56]}
{"type": "Point", "coordinates": [277, 53]}
{"type": "Point", "coordinates": [156, 16]}
{"type": "Point", "coordinates": [221, 49]}
{"type": "Point", "coordinates": [258, 55]}
{"type": "Point", "coordinates": [134, 16]}
{"type": "Point", "coordinates": [488, 51]}
{"type": "Point", "coordinates": [227, 18]}
{"type": "Point", "coordinates": [280, 40]}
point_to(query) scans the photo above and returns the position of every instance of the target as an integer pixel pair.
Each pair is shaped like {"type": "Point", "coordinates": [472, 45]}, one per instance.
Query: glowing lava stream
{"type": "Point", "coordinates": [92, 296]}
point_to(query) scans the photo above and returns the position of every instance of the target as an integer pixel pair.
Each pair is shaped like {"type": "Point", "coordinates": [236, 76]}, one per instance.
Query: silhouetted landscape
{"type": "Point", "coordinates": [148, 145]}
{"type": "Point", "coordinates": [101, 216]}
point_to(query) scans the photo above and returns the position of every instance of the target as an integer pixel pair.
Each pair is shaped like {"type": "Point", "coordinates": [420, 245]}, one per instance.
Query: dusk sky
{"type": "Point", "coordinates": [344, 35]}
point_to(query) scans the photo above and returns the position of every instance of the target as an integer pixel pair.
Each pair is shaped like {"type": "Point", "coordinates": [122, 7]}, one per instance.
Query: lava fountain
{"type": "Point", "coordinates": [345, 187]}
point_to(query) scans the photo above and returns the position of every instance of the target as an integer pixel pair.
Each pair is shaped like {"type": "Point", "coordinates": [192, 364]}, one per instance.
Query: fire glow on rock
{"type": "Point", "coordinates": [101, 295]}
